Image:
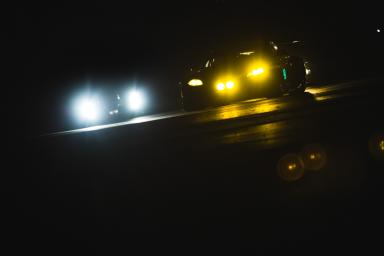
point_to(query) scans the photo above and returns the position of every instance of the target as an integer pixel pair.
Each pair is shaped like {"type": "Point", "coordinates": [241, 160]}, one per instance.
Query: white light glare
{"type": "Point", "coordinates": [88, 109]}
{"type": "Point", "coordinates": [135, 100]}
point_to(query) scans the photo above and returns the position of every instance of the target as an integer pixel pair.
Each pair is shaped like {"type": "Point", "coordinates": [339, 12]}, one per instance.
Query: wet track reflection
{"type": "Point", "coordinates": [265, 134]}
{"type": "Point", "coordinates": [269, 114]}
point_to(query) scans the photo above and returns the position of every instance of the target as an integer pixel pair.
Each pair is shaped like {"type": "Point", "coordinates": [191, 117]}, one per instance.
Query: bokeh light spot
{"type": "Point", "coordinates": [314, 157]}
{"type": "Point", "coordinates": [290, 167]}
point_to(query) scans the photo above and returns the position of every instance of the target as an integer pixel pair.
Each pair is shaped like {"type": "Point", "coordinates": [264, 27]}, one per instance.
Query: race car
{"type": "Point", "coordinates": [104, 105]}
{"type": "Point", "coordinates": [263, 71]}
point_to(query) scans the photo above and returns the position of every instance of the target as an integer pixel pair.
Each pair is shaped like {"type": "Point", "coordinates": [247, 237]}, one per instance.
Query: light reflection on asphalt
{"type": "Point", "coordinates": [237, 110]}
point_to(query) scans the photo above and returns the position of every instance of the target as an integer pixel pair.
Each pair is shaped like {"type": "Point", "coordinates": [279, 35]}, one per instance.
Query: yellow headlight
{"type": "Point", "coordinates": [256, 72]}
{"type": "Point", "coordinates": [230, 84]}
{"type": "Point", "coordinates": [195, 82]}
{"type": "Point", "coordinates": [258, 69]}
{"type": "Point", "coordinates": [226, 83]}
{"type": "Point", "coordinates": [220, 86]}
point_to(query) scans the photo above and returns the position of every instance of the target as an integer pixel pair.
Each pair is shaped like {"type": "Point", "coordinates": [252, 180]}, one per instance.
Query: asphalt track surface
{"type": "Point", "coordinates": [321, 93]}
{"type": "Point", "coordinates": [208, 182]}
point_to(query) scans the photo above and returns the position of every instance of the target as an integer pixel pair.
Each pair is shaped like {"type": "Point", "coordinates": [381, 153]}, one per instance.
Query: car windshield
{"type": "Point", "coordinates": [244, 53]}
{"type": "Point", "coordinates": [235, 59]}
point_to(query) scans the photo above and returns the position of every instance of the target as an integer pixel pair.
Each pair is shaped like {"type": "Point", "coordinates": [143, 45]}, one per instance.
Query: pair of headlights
{"type": "Point", "coordinates": [219, 86]}
{"type": "Point", "coordinates": [229, 84]}
{"type": "Point", "coordinates": [91, 108]}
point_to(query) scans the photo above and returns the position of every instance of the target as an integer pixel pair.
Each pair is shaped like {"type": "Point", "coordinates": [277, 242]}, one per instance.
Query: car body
{"type": "Point", "coordinates": [263, 71]}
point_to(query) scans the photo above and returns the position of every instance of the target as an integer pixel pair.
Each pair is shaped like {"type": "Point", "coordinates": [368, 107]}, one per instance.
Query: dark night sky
{"type": "Point", "coordinates": [55, 48]}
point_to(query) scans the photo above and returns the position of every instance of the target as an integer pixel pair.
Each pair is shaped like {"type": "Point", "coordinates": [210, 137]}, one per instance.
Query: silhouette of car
{"type": "Point", "coordinates": [263, 71]}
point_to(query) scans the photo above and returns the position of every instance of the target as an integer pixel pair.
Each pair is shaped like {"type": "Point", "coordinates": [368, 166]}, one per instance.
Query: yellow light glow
{"type": "Point", "coordinates": [382, 145]}
{"type": "Point", "coordinates": [314, 157]}
{"type": "Point", "coordinates": [226, 82]}
{"type": "Point", "coordinates": [256, 72]}
{"type": "Point", "coordinates": [195, 82]}
{"type": "Point", "coordinates": [291, 166]}
{"type": "Point", "coordinates": [220, 86]}
{"type": "Point", "coordinates": [230, 84]}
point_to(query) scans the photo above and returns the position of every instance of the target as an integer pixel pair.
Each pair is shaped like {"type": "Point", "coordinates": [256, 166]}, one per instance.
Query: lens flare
{"type": "Point", "coordinates": [314, 157]}
{"type": "Point", "coordinates": [290, 167]}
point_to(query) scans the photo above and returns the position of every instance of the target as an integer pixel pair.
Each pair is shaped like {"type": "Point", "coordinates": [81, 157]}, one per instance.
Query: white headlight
{"type": "Point", "coordinates": [195, 82]}
{"type": "Point", "coordinates": [88, 109]}
{"type": "Point", "coordinates": [136, 100]}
